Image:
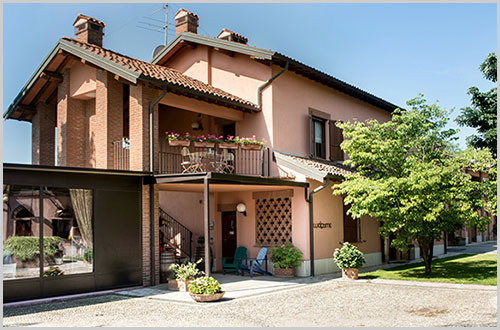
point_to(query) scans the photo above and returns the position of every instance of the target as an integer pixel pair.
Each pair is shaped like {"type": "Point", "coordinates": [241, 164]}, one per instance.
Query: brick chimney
{"type": "Point", "coordinates": [89, 30]}
{"type": "Point", "coordinates": [186, 21]}
{"type": "Point", "coordinates": [229, 35]}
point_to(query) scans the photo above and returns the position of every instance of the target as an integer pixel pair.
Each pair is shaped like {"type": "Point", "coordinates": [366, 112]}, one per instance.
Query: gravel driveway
{"type": "Point", "coordinates": [331, 303]}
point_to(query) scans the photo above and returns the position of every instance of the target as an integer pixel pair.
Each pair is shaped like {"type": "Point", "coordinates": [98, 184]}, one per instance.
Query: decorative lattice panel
{"type": "Point", "coordinates": [273, 221]}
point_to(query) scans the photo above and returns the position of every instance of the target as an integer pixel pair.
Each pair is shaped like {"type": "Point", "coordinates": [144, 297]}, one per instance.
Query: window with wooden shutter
{"type": "Point", "coordinates": [352, 227]}
{"type": "Point", "coordinates": [336, 138]}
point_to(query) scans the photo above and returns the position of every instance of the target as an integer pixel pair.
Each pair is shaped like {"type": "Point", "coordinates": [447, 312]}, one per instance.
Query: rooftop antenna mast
{"type": "Point", "coordinates": [155, 27]}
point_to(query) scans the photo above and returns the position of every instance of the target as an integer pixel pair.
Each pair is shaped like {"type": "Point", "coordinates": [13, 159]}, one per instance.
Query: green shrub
{"type": "Point", "coordinates": [286, 256]}
{"type": "Point", "coordinates": [348, 256]}
{"type": "Point", "coordinates": [87, 254]}
{"type": "Point", "coordinates": [27, 247]}
{"type": "Point", "coordinates": [53, 271]}
{"type": "Point", "coordinates": [204, 285]}
{"type": "Point", "coordinates": [184, 271]}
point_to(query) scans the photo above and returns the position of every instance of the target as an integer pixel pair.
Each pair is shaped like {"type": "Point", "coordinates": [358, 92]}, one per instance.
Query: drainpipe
{"type": "Point", "coordinates": [311, 224]}
{"type": "Point", "coordinates": [267, 83]}
{"type": "Point", "coordinates": [151, 127]}
{"type": "Point", "coordinates": [151, 186]}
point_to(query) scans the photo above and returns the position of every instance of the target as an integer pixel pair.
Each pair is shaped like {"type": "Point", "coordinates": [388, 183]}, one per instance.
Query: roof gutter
{"type": "Point", "coordinates": [309, 199]}
{"type": "Point", "coordinates": [267, 83]}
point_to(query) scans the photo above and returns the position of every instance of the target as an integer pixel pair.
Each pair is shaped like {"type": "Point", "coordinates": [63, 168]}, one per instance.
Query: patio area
{"type": "Point", "coordinates": [235, 286]}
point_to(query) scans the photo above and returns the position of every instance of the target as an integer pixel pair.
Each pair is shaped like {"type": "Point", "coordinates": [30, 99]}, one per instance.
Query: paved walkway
{"type": "Point", "coordinates": [323, 300]}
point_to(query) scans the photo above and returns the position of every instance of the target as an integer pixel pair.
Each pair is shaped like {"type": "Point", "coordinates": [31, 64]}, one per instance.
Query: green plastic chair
{"type": "Point", "coordinates": [239, 255]}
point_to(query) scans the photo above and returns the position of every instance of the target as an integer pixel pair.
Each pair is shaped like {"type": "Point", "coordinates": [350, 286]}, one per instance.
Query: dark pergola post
{"type": "Point", "coordinates": [206, 224]}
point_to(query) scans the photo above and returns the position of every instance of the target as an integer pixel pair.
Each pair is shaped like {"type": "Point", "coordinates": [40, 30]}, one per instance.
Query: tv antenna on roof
{"type": "Point", "coordinates": [155, 27]}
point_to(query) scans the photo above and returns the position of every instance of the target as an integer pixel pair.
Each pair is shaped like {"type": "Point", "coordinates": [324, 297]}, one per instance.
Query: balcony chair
{"type": "Point", "coordinates": [239, 255]}
{"type": "Point", "coordinates": [225, 163]}
{"type": "Point", "coordinates": [256, 264]}
{"type": "Point", "coordinates": [190, 163]}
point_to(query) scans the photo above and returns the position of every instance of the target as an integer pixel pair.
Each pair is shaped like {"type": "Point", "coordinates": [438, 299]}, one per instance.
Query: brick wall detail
{"type": "Point", "coordinates": [146, 241]}
{"type": "Point", "coordinates": [43, 127]}
{"type": "Point", "coordinates": [71, 136]}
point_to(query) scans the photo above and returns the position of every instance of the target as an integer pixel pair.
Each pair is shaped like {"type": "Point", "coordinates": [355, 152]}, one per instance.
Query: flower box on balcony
{"type": "Point", "coordinates": [228, 145]}
{"type": "Point", "coordinates": [179, 143]}
{"type": "Point", "coordinates": [251, 146]}
{"type": "Point", "coordinates": [198, 144]}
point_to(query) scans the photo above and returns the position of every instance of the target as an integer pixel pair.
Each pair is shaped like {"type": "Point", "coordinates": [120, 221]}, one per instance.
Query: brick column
{"type": "Point", "coordinates": [140, 99]}
{"type": "Point", "coordinates": [43, 135]}
{"type": "Point", "coordinates": [70, 127]}
{"type": "Point", "coordinates": [146, 237]}
{"type": "Point", "coordinates": [109, 121]}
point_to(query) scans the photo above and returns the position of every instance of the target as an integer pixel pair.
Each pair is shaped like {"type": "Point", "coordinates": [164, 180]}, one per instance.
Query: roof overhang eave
{"type": "Point", "coordinates": [66, 46]}
{"type": "Point", "coordinates": [209, 97]}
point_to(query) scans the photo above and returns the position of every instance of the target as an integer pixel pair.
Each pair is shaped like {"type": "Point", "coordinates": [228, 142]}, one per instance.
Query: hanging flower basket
{"type": "Point", "coordinates": [179, 143]}
{"type": "Point", "coordinates": [198, 144]}
{"type": "Point", "coordinates": [228, 145]}
{"type": "Point", "coordinates": [251, 146]}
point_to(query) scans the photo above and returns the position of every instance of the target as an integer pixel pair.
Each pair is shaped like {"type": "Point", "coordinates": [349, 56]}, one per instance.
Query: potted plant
{"type": "Point", "coordinates": [182, 274]}
{"type": "Point", "coordinates": [176, 140]}
{"type": "Point", "coordinates": [205, 289]}
{"type": "Point", "coordinates": [251, 143]}
{"type": "Point", "coordinates": [348, 258]}
{"type": "Point", "coordinates": [208, 141]}
{"type": "Point", "coordinates": [285, 258]}
{"type": "Point", "coordinates": [231, 142]}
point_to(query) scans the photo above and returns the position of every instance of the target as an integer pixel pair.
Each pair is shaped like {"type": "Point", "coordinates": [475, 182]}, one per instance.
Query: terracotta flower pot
{"type": "Point", "coordinates": [251, 146]}
{"type": "Point", "coordinates": [178, 285]}
{"type": "Point", "coordinates": [207, 297]}
{"type": "Point", "coordinates": [198, 144]}
{"type": "Point", "coordinates": [179, 143]}
{"type": "Point", "coordinates": [283, 272]}
{"type": "Point", "coordinates": [349, 273]}
{"type": "Point", "coordinates": [228, 145]}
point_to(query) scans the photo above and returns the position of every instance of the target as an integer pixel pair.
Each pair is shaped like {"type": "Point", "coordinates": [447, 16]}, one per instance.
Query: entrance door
{"type": "Point", "coordinates": [228, 234]}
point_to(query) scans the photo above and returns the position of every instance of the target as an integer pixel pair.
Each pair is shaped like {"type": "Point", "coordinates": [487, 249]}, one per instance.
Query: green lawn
{"type": "Point", "coordinates": [463, 269]}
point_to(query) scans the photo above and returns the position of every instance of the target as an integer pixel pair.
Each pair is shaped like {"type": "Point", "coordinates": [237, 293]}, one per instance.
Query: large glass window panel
{"type": "Point", "coordinates": [67, 231]}
{"type": "Point", "coordinates": [21, 232]}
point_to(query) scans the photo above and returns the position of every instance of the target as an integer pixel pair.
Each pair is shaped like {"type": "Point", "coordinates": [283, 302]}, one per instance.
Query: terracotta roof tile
{"type": "Point", "coordinates": [160, 73]}
{"type": "Point", "coordinates": [325, 166]}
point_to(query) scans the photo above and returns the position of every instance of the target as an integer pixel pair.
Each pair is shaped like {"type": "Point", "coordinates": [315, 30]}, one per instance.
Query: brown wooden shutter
{"type": "Point", "coordinates": [351, 227]}
{"type": "Point", "coordinates": [311, 137]}
{"type": "Point", "coordinates": [336, 138]}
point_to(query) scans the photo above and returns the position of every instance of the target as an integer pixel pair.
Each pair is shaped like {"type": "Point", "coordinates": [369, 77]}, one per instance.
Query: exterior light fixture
{"type": "Point", "coordinates": [242, 208]}
{"type": "Point", "coordinates": [196, 126]}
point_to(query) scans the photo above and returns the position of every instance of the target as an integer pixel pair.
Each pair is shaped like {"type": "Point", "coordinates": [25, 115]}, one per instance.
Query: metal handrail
{"type": "Point", "coordinates": [178, 228]}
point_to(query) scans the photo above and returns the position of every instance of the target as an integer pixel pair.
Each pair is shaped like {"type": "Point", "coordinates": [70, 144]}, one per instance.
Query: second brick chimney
{"type": "Point", "coordinates": [186, 21]}
{"type": "Point", "coordinates": [89, 30]}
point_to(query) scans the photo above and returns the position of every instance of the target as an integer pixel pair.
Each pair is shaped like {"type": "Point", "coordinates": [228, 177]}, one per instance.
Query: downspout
{"type": "Point", "coordinates": [267, 83]}
{"type": "Point", "coordinates": [151, 127]}
{"type": "Point", "coordinates": [311, 219]}
{"type": "Point", "coordinates": [151, 186]}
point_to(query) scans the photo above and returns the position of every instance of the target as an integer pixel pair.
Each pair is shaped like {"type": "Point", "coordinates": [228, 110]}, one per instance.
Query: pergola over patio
{"type": "Point", "coordinates": [218, 182]}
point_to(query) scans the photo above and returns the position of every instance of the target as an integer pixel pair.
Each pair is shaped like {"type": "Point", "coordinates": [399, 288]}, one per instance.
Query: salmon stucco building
{"type": "Point", "coordinates": [109, 186]}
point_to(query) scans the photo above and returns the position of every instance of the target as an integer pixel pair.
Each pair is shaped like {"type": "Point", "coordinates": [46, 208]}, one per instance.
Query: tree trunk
{"type": "Point", "coordinates": [427, 247]}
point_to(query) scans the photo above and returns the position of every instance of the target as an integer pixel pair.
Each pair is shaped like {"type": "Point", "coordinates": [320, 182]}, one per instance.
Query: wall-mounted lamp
{"type": "Point", "coordinates": [196, 126]}
{"type": "Point", "coordinates": [242, 208]}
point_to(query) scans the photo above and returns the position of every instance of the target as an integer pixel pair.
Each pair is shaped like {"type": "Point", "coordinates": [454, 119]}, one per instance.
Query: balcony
{"type": "Point", "coordinates": [193, 158]}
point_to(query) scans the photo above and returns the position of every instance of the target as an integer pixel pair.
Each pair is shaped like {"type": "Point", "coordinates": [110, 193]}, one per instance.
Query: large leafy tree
{"type": "Point", "coordinates": [482, 114]}
{"type": "Point", "coordinates": [410, 176]}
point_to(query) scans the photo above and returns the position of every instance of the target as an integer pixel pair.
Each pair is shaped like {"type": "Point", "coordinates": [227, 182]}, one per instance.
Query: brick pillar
{"type": "Point", "coordinates": [43, 135]}
{"type": "Point", "coordinates": [70, 127]}
{"type": "Point", "coordinates": [146, 237]}
{"type": "Point", "coordinates": [109, 121]}
{"type": "Point", "coordinates": [140, 99]}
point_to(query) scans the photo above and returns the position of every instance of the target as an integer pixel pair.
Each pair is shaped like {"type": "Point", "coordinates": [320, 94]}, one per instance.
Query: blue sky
{"type": "Point", "coordinates": [394, 51]}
